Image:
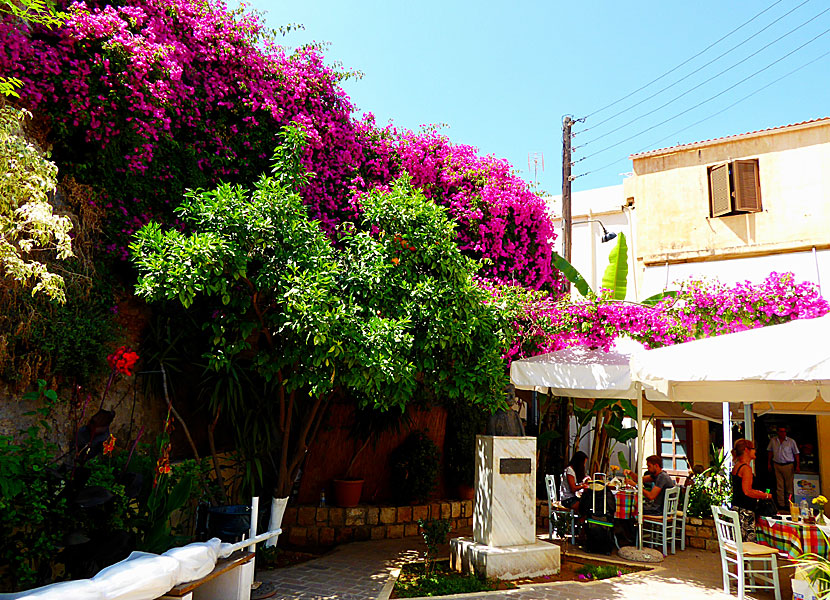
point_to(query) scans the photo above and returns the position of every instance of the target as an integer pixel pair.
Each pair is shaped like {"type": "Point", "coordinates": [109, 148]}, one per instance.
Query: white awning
{"type": "Point", "coordinates": [788, 363]}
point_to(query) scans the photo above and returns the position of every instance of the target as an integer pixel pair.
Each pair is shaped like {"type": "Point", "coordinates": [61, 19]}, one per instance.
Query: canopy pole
{"type": "Point", "coordinates": [640, 448]}
{"type": "Point", "coordinates": [749, 422]}
{"type": "Point", "coordinates": [727, 437]}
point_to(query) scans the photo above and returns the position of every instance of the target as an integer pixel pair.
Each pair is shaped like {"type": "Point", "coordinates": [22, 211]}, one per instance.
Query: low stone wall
{"type": "Point", "coordinates": [325, 526]}
{"type": "Point", "coordinates": [700, 533]}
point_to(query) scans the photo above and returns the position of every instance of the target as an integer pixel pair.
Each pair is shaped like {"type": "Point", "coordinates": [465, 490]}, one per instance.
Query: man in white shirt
{"type": "Point", "coordinates": [784, 461]}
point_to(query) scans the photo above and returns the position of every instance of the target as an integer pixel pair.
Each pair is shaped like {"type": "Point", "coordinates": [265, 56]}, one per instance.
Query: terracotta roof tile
{"type": "Point", "coordinates": [720, 139]}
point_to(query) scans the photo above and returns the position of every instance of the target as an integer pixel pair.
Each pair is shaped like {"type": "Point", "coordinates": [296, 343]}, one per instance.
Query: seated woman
{"type": "Point", "coordinates": [744, 495]}
{"type": "Point", "coordinates": [574, 472]}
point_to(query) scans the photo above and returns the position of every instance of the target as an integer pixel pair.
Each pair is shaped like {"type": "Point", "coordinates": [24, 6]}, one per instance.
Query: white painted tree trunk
{"type": "Point", "coordinates": [277, 511]}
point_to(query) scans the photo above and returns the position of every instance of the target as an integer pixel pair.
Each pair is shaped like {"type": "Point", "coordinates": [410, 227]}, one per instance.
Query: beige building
{"type": "Point", "coordinates": [735, 208]}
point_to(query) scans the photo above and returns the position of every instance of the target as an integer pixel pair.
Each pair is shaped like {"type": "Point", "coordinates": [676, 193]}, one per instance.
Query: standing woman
{"type": "Point", "coordinates": [573, 481]}
{"type": "Point", "coordinates": [744, 495]}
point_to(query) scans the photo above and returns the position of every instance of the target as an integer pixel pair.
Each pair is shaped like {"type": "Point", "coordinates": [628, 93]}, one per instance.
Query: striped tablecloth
{"type": "Point", "coordinates": [794, 539]}
{"type": "Point", "coordinates": [626, 504]}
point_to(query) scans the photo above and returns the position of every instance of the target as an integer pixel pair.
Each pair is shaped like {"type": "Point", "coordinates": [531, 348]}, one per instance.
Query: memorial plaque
{"type": "Point", "coordinates": [514, 466]}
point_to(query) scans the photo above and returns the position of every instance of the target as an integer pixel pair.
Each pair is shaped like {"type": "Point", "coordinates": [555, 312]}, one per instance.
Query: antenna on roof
{"type": "Point", "coordinates": [535, 160]}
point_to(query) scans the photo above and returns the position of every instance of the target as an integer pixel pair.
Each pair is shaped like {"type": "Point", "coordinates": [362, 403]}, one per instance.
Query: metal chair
{"type": "Point", "coordinates": [682, 515]}
{"type": "Point", "coordinates": [555, 507]}
{"type": "Point", "coordinates": [658, 531]}
{"type": "Point", "coordinates": [753, 562]}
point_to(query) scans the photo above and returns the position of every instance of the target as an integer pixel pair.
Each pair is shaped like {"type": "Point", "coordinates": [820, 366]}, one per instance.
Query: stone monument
{"type": "Point", "coordinates": [504, 544]}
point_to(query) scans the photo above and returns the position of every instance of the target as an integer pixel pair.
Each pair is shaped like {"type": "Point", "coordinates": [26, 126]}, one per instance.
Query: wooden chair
{"type": "Point", "coordinates": [658, 531]}
{"type": "Point", "coordinates": [753, 562]}
{"type": "Point", "coordinates": [682, 515]}
{"type": "Point", "coordinates": [555, 507]}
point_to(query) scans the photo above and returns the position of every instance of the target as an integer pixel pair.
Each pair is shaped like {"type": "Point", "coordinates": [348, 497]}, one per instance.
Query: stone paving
{"type": "Point", "coordinates": [366, 571]}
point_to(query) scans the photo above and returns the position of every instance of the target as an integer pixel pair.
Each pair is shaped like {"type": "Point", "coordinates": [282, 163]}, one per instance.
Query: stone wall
{"type": "Point", "coordinates": [325, 526]}
{"type": "Point", "coordinates": [700, 533]}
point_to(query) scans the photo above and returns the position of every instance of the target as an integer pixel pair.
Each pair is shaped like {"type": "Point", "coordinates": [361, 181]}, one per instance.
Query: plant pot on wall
{"type": "Point", "coordinates": [347, 492]}
{"type": "Point", "coordinates": [465, 492]}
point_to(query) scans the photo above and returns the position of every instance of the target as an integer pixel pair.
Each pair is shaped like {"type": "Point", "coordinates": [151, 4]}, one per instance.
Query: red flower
{"type": "Point", "coordinates": [109, 445]}
{"type": "Point", "coordinates": [123, 360]}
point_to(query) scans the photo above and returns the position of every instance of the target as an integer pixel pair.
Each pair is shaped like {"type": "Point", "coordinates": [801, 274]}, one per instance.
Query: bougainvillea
{"type": "Point", "coordinates": [701, 308]}
{"type": "Point", "coordinates": [147, 99]}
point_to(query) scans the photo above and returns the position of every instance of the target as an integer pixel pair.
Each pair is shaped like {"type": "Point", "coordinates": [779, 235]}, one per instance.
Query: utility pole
{"type": "Point", "coordinates": [567, 123]}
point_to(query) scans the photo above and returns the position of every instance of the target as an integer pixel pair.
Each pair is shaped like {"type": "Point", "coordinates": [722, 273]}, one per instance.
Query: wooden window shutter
{"type": "Point", "coordinates": [747, 186]}
{"type": "Point", "coordinates": [720, 192]}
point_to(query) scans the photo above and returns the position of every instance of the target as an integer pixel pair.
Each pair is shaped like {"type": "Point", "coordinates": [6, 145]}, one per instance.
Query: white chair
{"type": "Point", "coordinates": [682, 514]}
{"type": "Point", "coordinates": [753, 562]}
{"type": "Point", "coordinates": [555, 507]}
{"type": "Point", "coordinates": [658, 531]}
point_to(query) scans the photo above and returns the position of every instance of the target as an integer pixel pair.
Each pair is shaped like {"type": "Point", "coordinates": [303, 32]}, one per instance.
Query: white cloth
{"type": "Point", "coordinates": [783, 452]}
{"type": "Point", "coordinates": [565, 489]}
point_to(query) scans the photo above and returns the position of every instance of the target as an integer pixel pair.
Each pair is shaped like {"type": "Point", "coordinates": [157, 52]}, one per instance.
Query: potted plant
{"type": "Point", "coordinates": [367, 426]}
{"type": "Point", "coordinates": [415, 468]}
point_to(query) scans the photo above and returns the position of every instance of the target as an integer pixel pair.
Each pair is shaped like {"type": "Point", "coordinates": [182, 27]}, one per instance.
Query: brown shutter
{"type": "Point", "coordinates": [747, 186]}
{"type": "Point", "coordinates": [720, 192]}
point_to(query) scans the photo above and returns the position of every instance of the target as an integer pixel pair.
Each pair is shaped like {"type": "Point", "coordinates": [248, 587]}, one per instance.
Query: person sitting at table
{"type": "Point", "coordinates": [744, 495]}
{"type": "Point", "coordinates": [574, 472]}
{"type": "Point", "coordinates": [653, 502]}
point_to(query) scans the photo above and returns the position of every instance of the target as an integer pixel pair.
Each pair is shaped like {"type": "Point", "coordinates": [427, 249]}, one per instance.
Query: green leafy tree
{"type": "Point", "coordinates": [388, 309]}
{"type": "Point", "coordinates": [28, 227]}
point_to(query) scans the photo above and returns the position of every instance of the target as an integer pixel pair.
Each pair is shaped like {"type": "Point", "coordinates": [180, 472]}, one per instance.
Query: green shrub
{"type": "Point", "coordinates": [415, 468]}
{"type": "Point", "coordinates": [711, 488]}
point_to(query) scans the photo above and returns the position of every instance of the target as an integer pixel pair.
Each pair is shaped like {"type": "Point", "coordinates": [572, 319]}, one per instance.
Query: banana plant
{"type": "Point", "coordinates": [616, 273]}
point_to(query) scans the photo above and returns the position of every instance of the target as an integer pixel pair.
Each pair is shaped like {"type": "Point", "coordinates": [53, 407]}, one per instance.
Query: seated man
{"type": "Point", "coordinates": [653, 498]}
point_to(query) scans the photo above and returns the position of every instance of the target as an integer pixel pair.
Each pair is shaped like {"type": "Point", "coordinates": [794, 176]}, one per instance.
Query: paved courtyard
{"type": "Point", "coordinates": [366, 571]}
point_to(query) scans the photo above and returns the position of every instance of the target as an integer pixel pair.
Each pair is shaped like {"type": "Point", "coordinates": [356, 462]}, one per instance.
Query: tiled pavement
{"type": "Point", "coordinates": [366, 570]}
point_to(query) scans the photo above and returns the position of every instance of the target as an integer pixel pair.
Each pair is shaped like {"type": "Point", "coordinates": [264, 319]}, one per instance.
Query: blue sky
{"type": "Point", "coordinates": [500, 75]}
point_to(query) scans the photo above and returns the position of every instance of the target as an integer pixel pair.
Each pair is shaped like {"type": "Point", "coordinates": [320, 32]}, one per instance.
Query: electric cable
{"type": "Point", "coordinates": [685, 77]}
{"type": "Point", "coordinates": [722, 92]}
{"type": "Point", "coordinates": [671, 135]}
{"type": "Point", "coordinates": [716, 42]}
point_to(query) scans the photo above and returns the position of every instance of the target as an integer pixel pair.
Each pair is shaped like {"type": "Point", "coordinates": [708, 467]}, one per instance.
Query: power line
{"type": "Point", "coordinates": [685, 77]}
{"type": "Point", "coordinates": [716, 42]}
{"type": "Point", "coordinates": [671, 135]}
{"type": "Point", "coordinates": [702, 83]}
{"type": "Point", "coordinates": [825, 32]}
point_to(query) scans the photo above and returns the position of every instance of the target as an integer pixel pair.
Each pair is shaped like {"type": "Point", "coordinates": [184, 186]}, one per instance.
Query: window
{"type": "Point", "coordinates": [673, 439]}
{"type": "Point", "coordinates": [734, 188]}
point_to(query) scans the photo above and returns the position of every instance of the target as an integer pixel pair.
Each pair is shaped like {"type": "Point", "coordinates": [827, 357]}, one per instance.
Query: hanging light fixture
{"type": "Point", "coordinates": [607, 236]}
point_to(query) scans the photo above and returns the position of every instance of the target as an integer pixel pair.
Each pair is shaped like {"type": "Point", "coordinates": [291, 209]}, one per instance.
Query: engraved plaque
{"type": "Point", "coordinates": [514, 466]}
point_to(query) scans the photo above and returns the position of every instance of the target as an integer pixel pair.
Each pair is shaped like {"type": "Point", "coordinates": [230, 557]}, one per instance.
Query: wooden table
{"type": "Point", "coordinates": [794, 539]}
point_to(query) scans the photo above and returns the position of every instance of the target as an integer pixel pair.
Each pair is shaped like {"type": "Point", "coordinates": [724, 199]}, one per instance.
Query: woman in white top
{"type": "Point", "coordinates": [573, 474]}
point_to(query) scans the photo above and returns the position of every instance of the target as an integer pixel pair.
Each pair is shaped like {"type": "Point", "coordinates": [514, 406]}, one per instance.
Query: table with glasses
{"type": "Point", "coordinates": [794, 539]}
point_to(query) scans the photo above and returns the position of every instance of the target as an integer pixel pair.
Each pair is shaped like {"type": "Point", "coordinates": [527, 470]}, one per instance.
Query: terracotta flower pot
{"type": "Point", "coordinates": [466, 492]}
{"type": "Point", "coordinates": [347, 492]}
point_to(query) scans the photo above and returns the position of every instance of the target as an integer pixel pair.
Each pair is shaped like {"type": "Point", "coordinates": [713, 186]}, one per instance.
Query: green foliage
{"type": "Point", "coordinates": [414, 468]}
{"type": "Point", "coordinates": [623, 461]}
{"type": "Point", "coordinates": [27, 224]}
{"type": "Point", "coordinates": [390, 308]}
{"type": "Point", "coordinates": [435, 532]}
{"type": "Point", "coordinates": [597, 572]}
{"type": "Point", "coordinates": [33, 514]}
{"type": "Point", "coordinates": [656, 298]}
{"type": "Point", "coordinates": [713, 487]}
{"type": "Point", "coordinates": [441, 581]}
{"type": "Point", "coordinates": [571, 274]}
{"type": "Point", "coordinates": [818, 573]}
{"type": "Point", "coordinates": [616, 273]}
